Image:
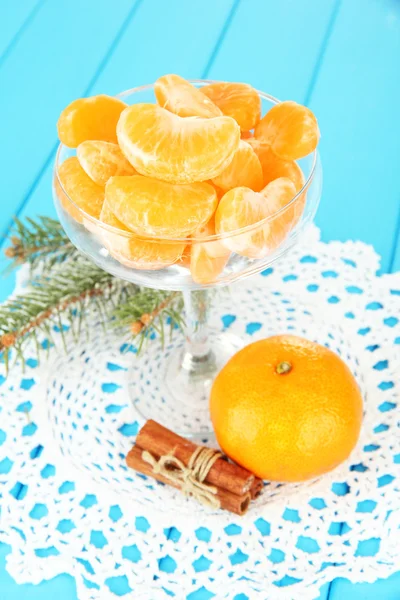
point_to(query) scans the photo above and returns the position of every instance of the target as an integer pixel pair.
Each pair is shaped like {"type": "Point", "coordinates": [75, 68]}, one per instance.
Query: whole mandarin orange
{"type": "Point", "coordinates": [286, 408]}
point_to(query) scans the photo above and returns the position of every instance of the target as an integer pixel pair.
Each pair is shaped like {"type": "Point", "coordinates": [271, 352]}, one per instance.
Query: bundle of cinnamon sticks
{"type": "Point", "coordinates": [233, 486]}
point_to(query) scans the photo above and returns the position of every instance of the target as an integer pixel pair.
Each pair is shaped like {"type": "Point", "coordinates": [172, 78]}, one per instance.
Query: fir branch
{"type": "Point", "coordinates": [73, 283]}
{"type": "Point", "coordinates": [39, 240]}
{"type": "Point", "coordinates": [66, 286]}
{"type": "Point", "coordinates": [148, 310]}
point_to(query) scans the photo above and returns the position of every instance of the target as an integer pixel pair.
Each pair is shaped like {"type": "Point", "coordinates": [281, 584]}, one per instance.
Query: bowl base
{"type": "Point", "coordinates": [172, 387]}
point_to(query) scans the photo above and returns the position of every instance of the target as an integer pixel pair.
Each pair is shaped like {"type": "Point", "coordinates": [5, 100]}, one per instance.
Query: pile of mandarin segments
{"type": "Point", "coordinates": [201, 162]}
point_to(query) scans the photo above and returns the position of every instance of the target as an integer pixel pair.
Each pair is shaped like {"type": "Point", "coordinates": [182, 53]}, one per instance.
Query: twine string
{"type": "Point", "coordinates": [191, 478]}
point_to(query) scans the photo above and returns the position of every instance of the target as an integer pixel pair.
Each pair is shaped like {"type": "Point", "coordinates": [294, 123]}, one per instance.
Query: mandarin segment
{"type": "Point", "coordinates": [220, 192]}
{"type": "Point", "coordinates": [102, 160]}
{"type": "Point", "coordinates": [151, 207]}
{"type": "Point", "coordinates": [108, 217]}
{"type": "Point", "coordinates": [244, 170]}
{"type": "Point", "coordinates": [237, 100]}
{"type": "Point", "coordinates": [279, 193]}
{"type": "Point", "coordinates": [290, 129]}
{"type": "Point", "coordinates": [153, 254]}
{"type": "Point", "coordinates": [238, 208]}
{"type": "Point", "coordinates": [208, 258]}
{"type": "Point", "coordinates": [135, 252]}
{"type": "Point", "coordinates": [241, 207]}
{"type": "Point", "coordinates": [163, 145]}
{"type": "Point", "coordinates": [77, 186]}
{"type": "Point", "coordinates": [181, 97]}
{"type": "Point", "coordinates": [274, 167]}
{"type": "Point", "coordinates": [184, 260]}
{"type": "Point", "coordinates": [93, 118]}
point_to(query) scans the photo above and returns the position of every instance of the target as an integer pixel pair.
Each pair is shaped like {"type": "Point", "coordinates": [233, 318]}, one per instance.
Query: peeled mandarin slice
{"type": "Point", "coordinates": [220, 192]}
{"type": "Point", "coordinates": [108, 217]}
{"type": "Point", "coordinates": [150, 207]}
{"type": "Point", "coordinates": [274, 167]}
{"type": "Point", "coordinates": [153, 254]}
{"type": "Point", "coordinates": [181, 97]}
{"type": "Point", "coordinates": [78, 187]}
{"type": "Point", "coordinates": [134, 252]}
{"type": "Point", "coordinates": [237, 100]}
{"type": "Point", "coordinates": [92, 118]}
{"type": "Point", "coordinates": [241, 207]}
{"type": "Point", "coordinates": [163, 145]}
{"type": "Point", "coordinates": [279, 193]}
{"type": "Point", "coordinates": [290, 129]}
{"type": "Point", "coordinates": [102, 160]}
{"type": "Point", "coordinates": [184, 260]}
{"type": "Point", "coordinates": [207, 259]}
{"type": "Point", "coordinates": [244, 170]}
{"type": "Point", "coordinates": [245, 135]}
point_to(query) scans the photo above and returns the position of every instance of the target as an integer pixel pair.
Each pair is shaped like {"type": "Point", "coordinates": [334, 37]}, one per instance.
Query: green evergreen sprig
{"type": "Point", "coordinates": [54, 299]}
{"type": "Point", "coordinates": [64, 285]}
{"type": "Point", "coordinates": [40, 240]}
{"type": "Point", "coordinates": [147, 310]}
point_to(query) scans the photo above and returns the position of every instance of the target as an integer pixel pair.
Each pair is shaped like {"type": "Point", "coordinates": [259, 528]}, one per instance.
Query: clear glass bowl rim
{"type": "Point", "coordinates": [186, 240]}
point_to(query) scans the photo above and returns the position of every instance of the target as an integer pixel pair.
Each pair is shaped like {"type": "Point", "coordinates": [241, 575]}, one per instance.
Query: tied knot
{"type": "Point", "coordinates": [191, 478]}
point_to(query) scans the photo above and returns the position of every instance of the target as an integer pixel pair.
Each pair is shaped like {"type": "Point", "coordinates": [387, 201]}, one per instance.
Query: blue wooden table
{"type": "Point", "coordinates": [340, 57]}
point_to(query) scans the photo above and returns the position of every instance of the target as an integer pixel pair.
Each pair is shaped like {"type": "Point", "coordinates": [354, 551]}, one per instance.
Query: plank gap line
{"type": "Point", "coordinates": [221, 38]}
{"type": "Point", "coordinates": [18, 34]}
{"type": "Point", "coordinates": [321, 54]}
{"type": "Point", "coordinates": [313, 80]}
{"type": "Point", "coordinates": [396, 244]}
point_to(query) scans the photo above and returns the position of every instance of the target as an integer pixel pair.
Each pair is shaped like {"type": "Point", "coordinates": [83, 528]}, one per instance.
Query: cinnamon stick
{"type": "Point", "coordinates": [256, 488]}
{"type": "Point", "coordinates": [224, 475]}
{"type": "Point", "coordinates": [237, 504]}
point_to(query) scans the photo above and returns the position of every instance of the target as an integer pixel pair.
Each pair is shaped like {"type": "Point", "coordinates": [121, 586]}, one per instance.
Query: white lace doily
{"type": "Point", "coordinates": [69, 504]}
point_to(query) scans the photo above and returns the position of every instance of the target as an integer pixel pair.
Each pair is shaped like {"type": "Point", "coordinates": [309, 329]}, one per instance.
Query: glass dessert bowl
{"type": "Point", "coordinates": [175, 380]}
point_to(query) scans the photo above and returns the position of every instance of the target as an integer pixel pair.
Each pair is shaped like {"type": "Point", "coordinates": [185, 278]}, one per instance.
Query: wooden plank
{"type": "Point", "coordinates": [394, 264]}
{"type": "Point", "coordinates": [274, 45]}
{"type": "Point", "coordinates": [383, 589]}
{"type": "Point", "coordinates": [356, 99]}
{"type": "Point", "coordinates": [180, 40]}
{"type": "Point", "coordinates": [62, 587]}
{"type": "Point", "coordinates": [15, 17]}
{"type": "Point", "coordinates": [54, 60]}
